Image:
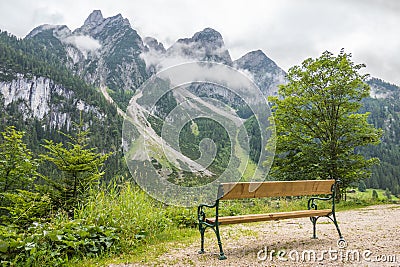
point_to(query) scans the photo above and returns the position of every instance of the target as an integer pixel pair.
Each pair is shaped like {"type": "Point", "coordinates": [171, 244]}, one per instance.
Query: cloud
{"type": "Point", "coordinates": [84, 43]}
{"type": "Point", "coordinates": [183, 52]}
{"type": "Point", "coordinates": [177, 54]}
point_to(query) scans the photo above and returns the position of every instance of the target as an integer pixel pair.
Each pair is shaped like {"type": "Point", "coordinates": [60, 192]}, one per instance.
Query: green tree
{"type": "Point", "coordinates": [361, 186]}
{"type": "Point", "coordinates": [80, 167]}
{"type": "Point", "coordinates": [18, 169]}
{"type": "Point", "coordinates": [318, 129]}
{"type": "Point", "coordinates": [388, 194]}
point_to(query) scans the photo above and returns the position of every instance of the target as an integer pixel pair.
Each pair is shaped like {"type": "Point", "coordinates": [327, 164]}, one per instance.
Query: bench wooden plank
{"type": "Point", "coordinates": [274, 189]}
{"type": "Point", "coordinates": [270, 216]}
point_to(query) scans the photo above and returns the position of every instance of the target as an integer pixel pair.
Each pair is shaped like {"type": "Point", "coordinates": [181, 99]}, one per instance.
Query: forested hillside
{"type": "Point", "coordinates": [54, 99]}
{"type": "Point", "coordinates": [385, 114]}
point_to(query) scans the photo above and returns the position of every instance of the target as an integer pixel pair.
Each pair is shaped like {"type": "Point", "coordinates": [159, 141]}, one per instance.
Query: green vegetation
{"type": "Point", "coordinates": [80, 167]}
{"type": "Point", "coordinates": [361, 186]}
{"type": "Point", "coordinates": [53, 222]}
{"type": "Point", "coordinates": [385, 114]}
{"type": "Point", "coordinates": [317, 124]}
{"type": "Point", "coordinates": [115, 222]}
{"type": "Point", "coordinates": [31, 59]}
{"type": "Point", "coordinates": [17, 167]}
{"type": "Point", "coordinates": [206, 128]}
{"type": "Point", "coordinates": [118, 218]}
{"type": "Point", "coordinates": [254, 133]}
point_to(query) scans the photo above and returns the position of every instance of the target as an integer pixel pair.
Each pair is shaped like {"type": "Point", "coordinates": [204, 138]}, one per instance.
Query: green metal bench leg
{"type": "Point", "coordinates": [337, 226]}
{"type": "Point", "coordinates": [202, 229]}
{"type": "Point", "coordinates": [314, 222]}
{"type": "Point", "coordinates": [221, 252]}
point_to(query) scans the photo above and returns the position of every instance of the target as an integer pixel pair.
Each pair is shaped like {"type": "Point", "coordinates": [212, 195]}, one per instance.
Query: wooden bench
{"type": "Point", "coordinates": [317, 189]}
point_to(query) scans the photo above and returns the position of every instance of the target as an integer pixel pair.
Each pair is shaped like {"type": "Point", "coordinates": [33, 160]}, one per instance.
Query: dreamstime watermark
{"type": "Point", "coordinates": [177, 97]}
{"type": "Point", "coordinates": [330, 255]}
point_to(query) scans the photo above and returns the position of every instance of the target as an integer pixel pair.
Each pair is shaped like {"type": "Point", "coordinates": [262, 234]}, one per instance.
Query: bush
{"type": "Point", "coordinates": [46, 244]}
{"type": "Point", "coordinates": [374, 194]}
{"type": "Point", "coordinates": [388, 194]}
{"type": "Point", "coordinates": [361, 186]}
{"type": "Point", "coordinates": [128, 207]}
{"type": "Point", "coordinates": [182, 217]}
{"type": "Point", "coordinates": [26, 207]}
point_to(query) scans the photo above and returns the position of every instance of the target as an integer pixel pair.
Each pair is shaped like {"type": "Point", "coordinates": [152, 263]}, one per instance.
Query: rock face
{"type": "Point", "coordinates": [381, 89]}
{"type": "Point", "coordinates": [117, 64]}
{"type": "Point", "coordinates": [104, 51]}
{"type": "Point", "coordinates": [109, 52]}
{"type": "Point", "coordinates": [40, 98]}
{"type": "Point", "coordinates": [153, 44]}
{"type": "Point", "coordinates": [267, 75]}
{"type": "Point", "coordinates": [206, 45]}
{"type": "Point", "coordinates": [59, 31]}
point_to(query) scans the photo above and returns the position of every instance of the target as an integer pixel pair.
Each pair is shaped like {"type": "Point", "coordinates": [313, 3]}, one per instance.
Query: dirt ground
{"type": "Point", "coordinates": [372, 235]}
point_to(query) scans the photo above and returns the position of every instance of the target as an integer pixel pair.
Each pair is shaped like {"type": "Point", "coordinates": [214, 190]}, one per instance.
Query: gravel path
{"type": "Point", "coordinates": [372, 235]}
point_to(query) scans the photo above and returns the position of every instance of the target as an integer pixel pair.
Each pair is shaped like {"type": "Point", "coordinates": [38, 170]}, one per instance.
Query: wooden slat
{"type": "Point", "coordinates": [269, 216]}
{"type": "Point", "coordinates": [274, 189]}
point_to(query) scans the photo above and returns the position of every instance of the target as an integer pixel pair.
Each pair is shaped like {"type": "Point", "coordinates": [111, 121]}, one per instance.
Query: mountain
{"type": "Point", "coordinates": [266, 73]}
{"type": "Point", "coordinates": [55, 75]}
{"type": "Point", "coordinates": [41, 96]}
{"type": "Point", "coordinates": [153, 44]}
{"type": "Point", "coordinates": [205, 45]}
{"type": "Point", "coordinates": [104, 52]}
{"type": "Point", "coordinates": [384, 108]}
{"type": "Point", "coordinates": [55, 71]}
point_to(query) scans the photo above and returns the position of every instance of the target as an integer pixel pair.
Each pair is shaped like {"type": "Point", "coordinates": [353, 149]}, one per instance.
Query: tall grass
{"type": "Point", "coordinates": [128, 208]}
{"type": "Point", "coordinates": [137, 215]}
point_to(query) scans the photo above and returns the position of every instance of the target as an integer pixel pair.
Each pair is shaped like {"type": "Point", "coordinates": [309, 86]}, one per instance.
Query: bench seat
{"type": "Point", "coordinates": [269, 216]}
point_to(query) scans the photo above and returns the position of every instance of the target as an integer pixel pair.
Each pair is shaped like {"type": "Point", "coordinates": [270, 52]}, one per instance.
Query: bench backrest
{"type": "Point", "coordinates": [274, 189]}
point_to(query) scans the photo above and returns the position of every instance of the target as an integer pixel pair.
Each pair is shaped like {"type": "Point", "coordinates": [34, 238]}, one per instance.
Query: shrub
{"type": "Point", "coordinates": [361, 186]}
{"type": "Point", "coordinates": [26, 207]}
{"type": "Point", "coordinates": [374, 194]}
{"type": "Point", "coordinates": [46, 244]}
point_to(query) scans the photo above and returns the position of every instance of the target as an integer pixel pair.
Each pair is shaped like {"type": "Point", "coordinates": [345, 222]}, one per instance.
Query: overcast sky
{"type": "Point", "coordinates": [288, 31]}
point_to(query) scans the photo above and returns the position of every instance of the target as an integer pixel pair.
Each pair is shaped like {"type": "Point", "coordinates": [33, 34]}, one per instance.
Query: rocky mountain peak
{"type": "Point", "coordinates": [153, 44]}
{"type": "Point", "coordinates": [57, 30]}
{"type": "Point", "coordinates": [96, 23]}
{"type": "Point", "coordinates": [206, 38]}
{"type": "Point", "coordinates": [208, 35]}
{"type": "Point", "coordinates": [95, 18]}
{"type": "Point", "coordinates": [255, 60]}
{"type": "Point", "coordinates": [207, 45]}
{"type": "Point", "coordinates": [266, 73]}
{"type": "Point", "coordinates": [119, 19]}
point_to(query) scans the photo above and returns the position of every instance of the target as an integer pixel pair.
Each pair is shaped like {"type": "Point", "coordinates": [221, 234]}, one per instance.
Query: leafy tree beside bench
{"type": "Point", "coordinates": [243, 190]}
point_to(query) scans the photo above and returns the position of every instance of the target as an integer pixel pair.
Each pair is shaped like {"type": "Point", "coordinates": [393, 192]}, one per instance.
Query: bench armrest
{"type": "Point", "coordinates": [312, 201]}
{"type": "Point", "coordinates": [201, 215]}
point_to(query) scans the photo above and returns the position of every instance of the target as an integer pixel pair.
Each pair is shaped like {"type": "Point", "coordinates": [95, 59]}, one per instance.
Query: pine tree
{"type": "Point", "coordinates": [18, 169]}
{"type": "Point", "coordinates": [80, 167]}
